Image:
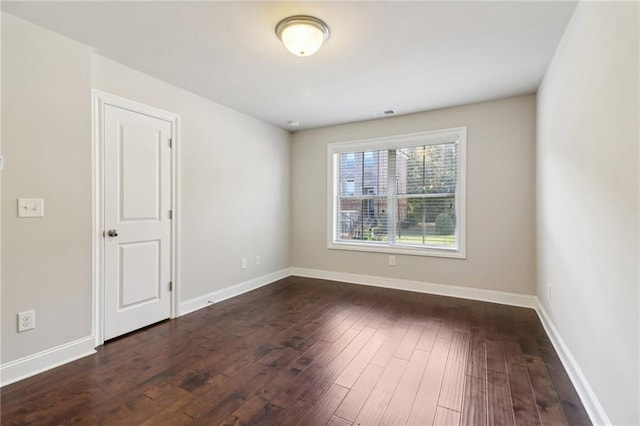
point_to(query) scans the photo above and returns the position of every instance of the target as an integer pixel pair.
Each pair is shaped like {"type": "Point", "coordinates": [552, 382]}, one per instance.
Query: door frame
{"type": "Point", "coordinates": [99, 101]}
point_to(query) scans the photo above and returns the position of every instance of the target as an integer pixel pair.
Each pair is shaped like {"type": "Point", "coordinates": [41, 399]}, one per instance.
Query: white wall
{"type": "Point", "coordinates": [500, 198]}
{"type": "Point", "coordinates": [46, 134]}
{"type": "Point", "coordinates": [588, 200]}
{"type": "Point", "coordinates": [235, 182]}
{"type": "Point", "coordinates": [235, 185]}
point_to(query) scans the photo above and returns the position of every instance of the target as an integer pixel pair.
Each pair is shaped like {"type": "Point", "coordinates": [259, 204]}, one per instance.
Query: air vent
{"type": "Point", "coordinates": [385, 113]}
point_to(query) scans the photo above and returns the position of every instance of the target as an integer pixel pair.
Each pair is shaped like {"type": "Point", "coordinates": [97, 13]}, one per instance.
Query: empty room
{"type": "Point", "coordinates": [320, 213]}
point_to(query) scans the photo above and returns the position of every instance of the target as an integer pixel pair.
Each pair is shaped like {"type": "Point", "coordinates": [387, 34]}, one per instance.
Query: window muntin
{"type": "Point", "coordinates": [408, 194]}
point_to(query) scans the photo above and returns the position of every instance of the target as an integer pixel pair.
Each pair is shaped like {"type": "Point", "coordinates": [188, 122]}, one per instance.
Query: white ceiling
{"type": "Point", "coordinates": [409, 56]}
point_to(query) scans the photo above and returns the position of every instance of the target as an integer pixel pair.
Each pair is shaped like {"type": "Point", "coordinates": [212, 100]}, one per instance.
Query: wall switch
{"type": "Point", "coordinates": [26, 320]}
{"type": "Point", "coordinates": [392, 260]}
{"type": "Point", "coordinates": [243, 263]}
{"type": "Point", "coordinates": [30, 207]}
{"type": "Point", "coordinates": [258, 260]}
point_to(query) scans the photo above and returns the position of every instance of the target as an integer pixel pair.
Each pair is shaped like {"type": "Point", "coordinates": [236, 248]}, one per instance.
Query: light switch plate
{"type": "Point", "coordinates": [30, 207]}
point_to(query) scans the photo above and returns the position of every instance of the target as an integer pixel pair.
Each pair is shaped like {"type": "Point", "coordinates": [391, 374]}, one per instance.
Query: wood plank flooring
{"type": "Point", "coordinates": [313, 352]}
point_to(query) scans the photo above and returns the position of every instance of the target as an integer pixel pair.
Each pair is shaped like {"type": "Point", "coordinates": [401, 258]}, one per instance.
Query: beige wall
{"type": "Point", "coordinates": [46, 134]}
{"type": "Point", "coordinates": [235, 182]}
{"type": "Point", "coordinates": [588, 207]}
{"type": "Point", "coordinates": [500, 198]}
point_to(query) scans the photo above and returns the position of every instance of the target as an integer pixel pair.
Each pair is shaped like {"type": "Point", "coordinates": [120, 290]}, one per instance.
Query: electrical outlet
{"type": "Point", "coordinates": [548, 291]}
{"type": "Point", "coordinates": [26, 320]}
{"type": "Point", "coordinates": [258, 260]}
{"type": "Point", "coordinates": [243, 263]}
{"type": "Point", "coordinates": [392, 261]}
{"type": "Point", "coordinates": [30, 207]}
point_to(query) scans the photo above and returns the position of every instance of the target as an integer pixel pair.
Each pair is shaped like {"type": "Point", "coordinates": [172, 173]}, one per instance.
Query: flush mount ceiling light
{"type": "Point", "coordinates": [302, 35]}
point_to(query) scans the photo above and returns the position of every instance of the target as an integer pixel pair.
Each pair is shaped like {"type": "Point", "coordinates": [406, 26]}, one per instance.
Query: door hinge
{"type": "Point", "coordinates": [170, 214]}
{"type": "Point", "coordinates": [170, 142]}
{"type": "Point", "coordinates": [170, 285]}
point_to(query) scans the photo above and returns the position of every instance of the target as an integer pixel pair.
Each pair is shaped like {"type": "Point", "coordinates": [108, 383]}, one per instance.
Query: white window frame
{"type": "Point", "coordinates": [435, 137]}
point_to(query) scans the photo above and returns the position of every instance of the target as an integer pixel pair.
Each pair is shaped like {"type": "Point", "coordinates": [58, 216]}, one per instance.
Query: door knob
{"type": "Point", "coordinates": [112, 232]}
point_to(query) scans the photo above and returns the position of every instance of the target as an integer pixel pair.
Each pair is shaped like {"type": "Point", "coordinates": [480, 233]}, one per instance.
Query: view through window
{"type": "Point", "coordinates": [406, 196]}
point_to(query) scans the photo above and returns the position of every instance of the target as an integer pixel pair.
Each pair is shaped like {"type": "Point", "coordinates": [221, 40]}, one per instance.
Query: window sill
{"type": "Point", "coordinates": [457, 253]}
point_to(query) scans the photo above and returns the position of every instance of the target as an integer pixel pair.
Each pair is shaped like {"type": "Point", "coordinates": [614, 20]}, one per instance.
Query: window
{"type": "Point", "coordinates": [350, 159]}
{"type": "Point", "coordinates": [402, 194]}
{"type": "Point", "coordinates": [351, 187]}
{"type": "Point", "coordinates": [368, 158]}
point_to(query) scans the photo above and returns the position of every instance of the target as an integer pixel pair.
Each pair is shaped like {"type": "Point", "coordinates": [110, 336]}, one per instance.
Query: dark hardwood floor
{"type": "Point", "coordinates": [312, 352]}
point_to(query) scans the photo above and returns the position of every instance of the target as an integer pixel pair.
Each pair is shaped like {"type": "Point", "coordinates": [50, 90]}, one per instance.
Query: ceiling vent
{"type": "Point", "coordinates": [385, 113]}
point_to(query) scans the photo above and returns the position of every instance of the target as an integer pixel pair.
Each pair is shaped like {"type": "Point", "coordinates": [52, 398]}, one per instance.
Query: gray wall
{"type": "Point", "coordinates": [238, 201]}
{"type": "Point", "coordinates": [235, 185]}
{"type": "Point", "coordinates": [500, 198]}
{"type": "Point", "coordinates": [588, 208]}
{"type": "Point", "coordinates": [46, 134]}
{"type": "Point", "coordinates": [235, 182]}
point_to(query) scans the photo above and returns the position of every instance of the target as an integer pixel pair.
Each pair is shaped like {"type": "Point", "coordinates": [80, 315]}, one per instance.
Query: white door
{"type": "Point", "coordinates": [137, 234]}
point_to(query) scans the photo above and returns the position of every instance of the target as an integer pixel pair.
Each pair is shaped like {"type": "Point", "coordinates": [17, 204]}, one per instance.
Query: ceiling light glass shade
{"type": "Point", "coordinates": [302, 35]}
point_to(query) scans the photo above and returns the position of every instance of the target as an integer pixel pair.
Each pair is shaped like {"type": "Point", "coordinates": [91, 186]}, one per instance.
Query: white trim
{"type": "Point", "coordinates": [31, 365]}
{"type": "Point", "coordinates": [396, 249]}
{"type": "Point", "coordinates": [205, 300]}
{"type": "Point", "coordinates": [176, 202]}
{"type": "Point", "coordinates": [591, 404]}
{"type": "Point", "coordinates": [588, 398]}
{"type": "Point", "coordinates": [100, 99]}
{"type": "Point", "coordinates": [505, 298]}
{"type": "Point", "coordinates": [432, 137]}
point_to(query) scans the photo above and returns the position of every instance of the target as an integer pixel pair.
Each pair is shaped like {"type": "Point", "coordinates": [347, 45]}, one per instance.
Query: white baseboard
{"type": "Point", "coordinates": [585, 392]}
{"type": "Point", "coordinates": [595, 411]}
{"type": "Point", "coordinates": [31, 365]}
{"type": "Point", "coordinates": [505, 298]}
{"type": "Point", "coordinates": [200, 302]}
